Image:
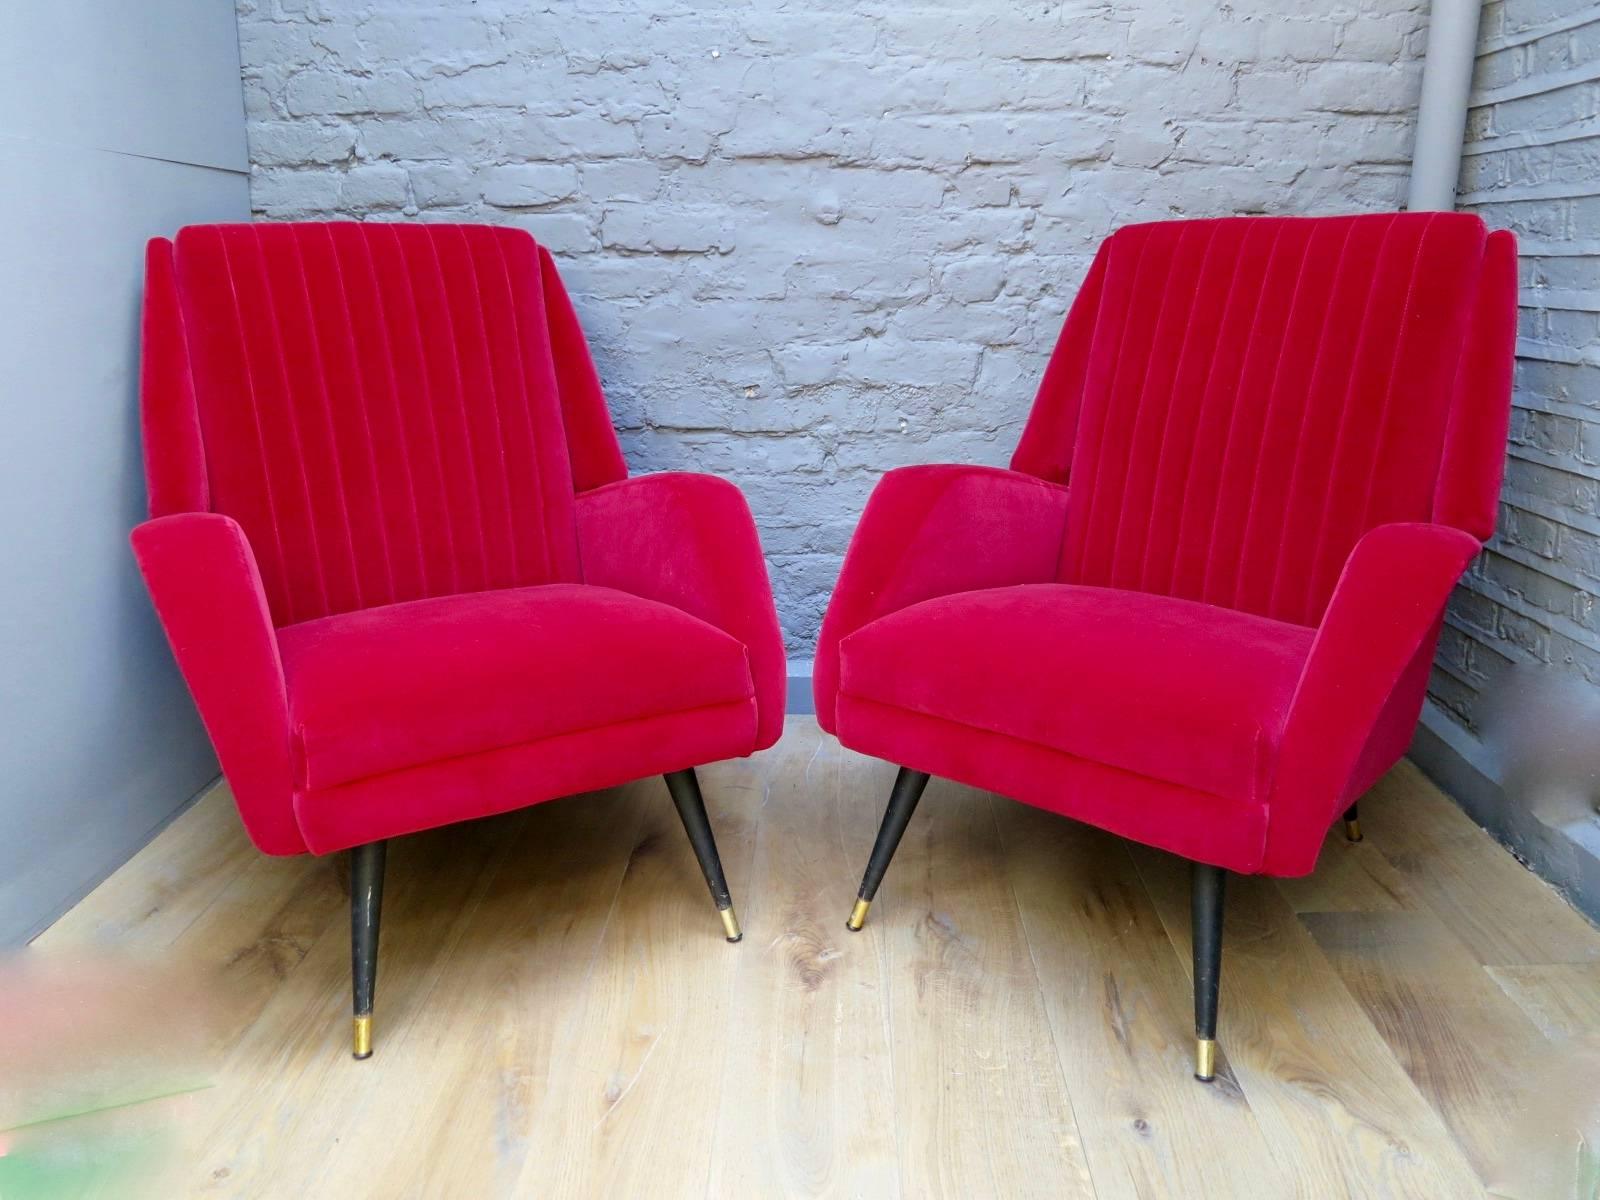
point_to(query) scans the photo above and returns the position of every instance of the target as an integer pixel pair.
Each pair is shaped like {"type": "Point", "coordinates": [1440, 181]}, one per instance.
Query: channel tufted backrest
{"type": "Point", "coordinates": [379, 406]}
{"type": "Point", "coordinates": [1233, 403]}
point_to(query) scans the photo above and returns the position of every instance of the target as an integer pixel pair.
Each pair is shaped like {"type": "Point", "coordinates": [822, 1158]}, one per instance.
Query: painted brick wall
{"type": "Point", "coordinates": [813, 242]}
{"type": "Point", "coordinates": [1533, 165]}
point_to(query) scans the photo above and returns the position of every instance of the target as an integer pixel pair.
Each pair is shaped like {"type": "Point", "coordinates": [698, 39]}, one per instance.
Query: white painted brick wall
{"type": "Point", "coordinates": [1532, 165]}
{"type": "Point", "coordinates": [813, 242]}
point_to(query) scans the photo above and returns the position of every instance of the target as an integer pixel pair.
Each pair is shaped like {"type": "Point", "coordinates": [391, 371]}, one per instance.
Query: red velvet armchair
{"type": "Point", "coordinates": [1200, 608]}
{"type": "Point", "coordinates": [398, 555]}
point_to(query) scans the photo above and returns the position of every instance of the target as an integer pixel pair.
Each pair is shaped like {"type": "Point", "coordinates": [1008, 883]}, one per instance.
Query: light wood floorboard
{"type": "Point", "coordinates": [559, 1015]}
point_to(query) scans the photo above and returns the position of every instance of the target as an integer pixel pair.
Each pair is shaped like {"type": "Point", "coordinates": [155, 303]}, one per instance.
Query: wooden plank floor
{"type": "Point", "coordinates": [558, 1014]}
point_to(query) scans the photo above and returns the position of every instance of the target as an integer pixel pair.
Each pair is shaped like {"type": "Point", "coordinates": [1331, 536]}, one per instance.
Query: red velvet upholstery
{"type": "Point", "coordinates": [406, 684]}
{"type": "Point", "coordinates": [689, 541]}
{"type": "Point", "coordinates": [1216, 683]}
{"type": "Point", "coordinates": [933, 531]}
{"type": "Point", "coordinates": [1263, 452]}
{"type": "Point", "coordinates": [395, 547]}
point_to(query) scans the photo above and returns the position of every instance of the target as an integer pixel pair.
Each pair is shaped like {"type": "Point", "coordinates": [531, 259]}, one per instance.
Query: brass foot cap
{"type": "Point", "coordinates": [858, 916]}
{"type": "Point", "coordinates": [1205, 1059]}
{"type": "Point", "coordinates": [730, 923]}
{"type": "Point", "coordinates": [362, 1046]}
{"type": "Point", "coordinates": [1352, 831]}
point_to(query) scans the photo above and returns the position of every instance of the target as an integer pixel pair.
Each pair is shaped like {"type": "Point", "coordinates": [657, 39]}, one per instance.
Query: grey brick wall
{"type": "Point", "coordinates": [813, 242]}
{"type": "Point", "coordinates": [1532, 165]}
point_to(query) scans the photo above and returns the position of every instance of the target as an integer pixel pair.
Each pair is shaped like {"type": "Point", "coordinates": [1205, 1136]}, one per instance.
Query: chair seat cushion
{"type": "Point", "coordinates": [402, 685]}
{"type": "Point", "coordinates": [1175, 690]}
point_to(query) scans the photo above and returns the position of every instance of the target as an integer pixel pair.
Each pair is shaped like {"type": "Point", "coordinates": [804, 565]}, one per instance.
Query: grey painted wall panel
{"type": "Point", "coordinates": [99, 743]}
{"type": "Point", "coordinates": [158, 78]}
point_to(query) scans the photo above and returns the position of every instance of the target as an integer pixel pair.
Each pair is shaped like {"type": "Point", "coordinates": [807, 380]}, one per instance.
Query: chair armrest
{"type": "Point", "coordinates": [208, 594]}
{"type": "Point", "coordinates": [1387, 603]}
{"type": "Point", "coordinates": [932, 531]}
{"type": "Point", "coordinates": [689, 540]}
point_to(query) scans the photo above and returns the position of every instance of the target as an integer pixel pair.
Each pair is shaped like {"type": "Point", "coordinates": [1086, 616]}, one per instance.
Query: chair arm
{"type": "Point", "coordinates": [208, 594]}
{"type": "Point", "coordinates": [932, 531]}
{"type": "Point", "coordinates": [1386, 604]}
{"type": "Point", "coordinates": [689, 540]}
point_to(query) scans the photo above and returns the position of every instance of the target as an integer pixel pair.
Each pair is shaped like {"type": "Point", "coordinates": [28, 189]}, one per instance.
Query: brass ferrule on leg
{"type": "Point", "coordinates": [858, 916]}
{"type": "Point", "coordinates": [1205, 1059]}
{"type": "Point", "coordinates": [730, 923]}
{"type": "Point", "coordinates": [1352, 830]}
{"type": "Point", "coordinates": [362, 1045]}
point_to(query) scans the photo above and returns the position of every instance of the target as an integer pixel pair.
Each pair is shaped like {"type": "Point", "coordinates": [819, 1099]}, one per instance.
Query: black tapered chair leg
{"type": "Point", "coordinates": [366, 908]}
{"type": "Point", "coordinates": [1352, 823]}
{"type": "Point", "coordinates": [685, 789]}
{"type": "Point", "coordinates": [908, 785]}
{"type": "Point", "coordinates": [1205, 915]}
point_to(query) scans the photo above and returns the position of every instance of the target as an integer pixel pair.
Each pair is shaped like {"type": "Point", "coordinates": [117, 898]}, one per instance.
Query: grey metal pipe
{"type": "Point", "coordinates": [1442, 109]}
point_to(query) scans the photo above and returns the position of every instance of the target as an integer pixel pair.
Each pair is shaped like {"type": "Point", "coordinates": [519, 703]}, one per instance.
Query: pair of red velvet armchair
{"type": "Point", "coordinates": [410, 582]}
